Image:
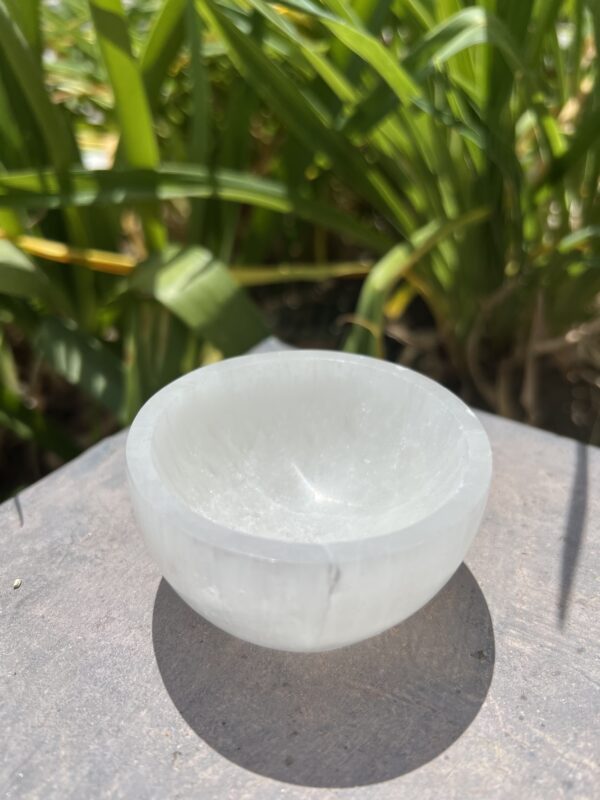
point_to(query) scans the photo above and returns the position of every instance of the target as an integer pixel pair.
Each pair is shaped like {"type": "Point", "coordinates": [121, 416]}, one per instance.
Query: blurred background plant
{"type": "Point", "coordinates": [412, 179]}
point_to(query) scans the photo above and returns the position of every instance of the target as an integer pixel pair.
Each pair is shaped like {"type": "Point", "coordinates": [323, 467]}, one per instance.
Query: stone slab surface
{"type": "Point", "coordinates": [111, 687]}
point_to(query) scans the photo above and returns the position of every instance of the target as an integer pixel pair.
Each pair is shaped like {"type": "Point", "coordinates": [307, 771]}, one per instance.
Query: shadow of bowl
{"type": "Point", "coordinates": [350, 717]}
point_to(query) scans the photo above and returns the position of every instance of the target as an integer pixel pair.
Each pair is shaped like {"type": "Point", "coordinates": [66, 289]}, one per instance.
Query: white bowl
{"type": "Point", "coordinates": [307, 500]}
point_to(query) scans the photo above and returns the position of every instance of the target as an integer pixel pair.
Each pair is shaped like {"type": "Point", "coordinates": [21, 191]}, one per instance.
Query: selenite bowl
{"type": "Point", "coordinates": [307, 500]}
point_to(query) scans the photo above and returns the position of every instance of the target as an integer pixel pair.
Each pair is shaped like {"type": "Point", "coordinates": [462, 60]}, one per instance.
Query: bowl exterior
{"type": "Point", "coordinates": [311, 605]}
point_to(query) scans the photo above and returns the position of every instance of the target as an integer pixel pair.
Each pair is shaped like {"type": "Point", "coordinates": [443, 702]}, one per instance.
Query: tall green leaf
{"type": "Point", "coordinates": [292, 108]}
{"type": "Point", "coordinates": [161, 46]}
{"type": "Point", "coordinates": [467, 28]}
{"type": "Point", "coordinates": [57, 136]}
{"type": "Point", "coordinates": [366, 333]}
{"type": "Point", "coordinates": [544, 22]}
{"type": "Point", "coordinates": [82, 360]}
{"type": "Point", "coordinates": [131, 103]}
{"type": "Point", "coordinates": [158, 348]}
{"type": "Point", "coordinates": [200, 114]}
{"type": "Point", "coordinates": [234, 151]}
{"type": "Point", "coordinates": [41, 189]}
{"type": "Point", "coordinates": [19, 277]}
{"type": "Point", "coordinates": [58, 140]}
{"type": "Point", "coordinates": [578, 148]}
{"type": "Point", "coordinates": [201, 292]}
{"type": "Point", "coordinates": [27, 15]}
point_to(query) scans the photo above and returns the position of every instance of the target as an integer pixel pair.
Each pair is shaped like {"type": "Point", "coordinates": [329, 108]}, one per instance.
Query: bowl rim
{"type": "Point", "coordinates": [146, 482]}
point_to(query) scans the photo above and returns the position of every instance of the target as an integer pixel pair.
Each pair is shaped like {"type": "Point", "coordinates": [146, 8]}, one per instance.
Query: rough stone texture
{"type": "Point", "coordinates": [111, 687]}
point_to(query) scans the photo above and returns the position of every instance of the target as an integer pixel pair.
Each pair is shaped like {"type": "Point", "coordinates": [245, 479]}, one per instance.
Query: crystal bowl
{"type": "Point", "coordinates": [307, 500]}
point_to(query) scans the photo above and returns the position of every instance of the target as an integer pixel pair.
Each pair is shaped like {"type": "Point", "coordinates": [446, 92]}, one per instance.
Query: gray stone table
{"type": "Point", "coordinates": [111, 687]}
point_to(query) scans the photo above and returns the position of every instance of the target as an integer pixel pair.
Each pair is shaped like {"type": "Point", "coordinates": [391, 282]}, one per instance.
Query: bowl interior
{"type": "Point", "coordinates": [310, 449]}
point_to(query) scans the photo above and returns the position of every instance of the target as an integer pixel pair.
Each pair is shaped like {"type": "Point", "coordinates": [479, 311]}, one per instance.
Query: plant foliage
{"type": "Point", "coordinates": [146, 148]}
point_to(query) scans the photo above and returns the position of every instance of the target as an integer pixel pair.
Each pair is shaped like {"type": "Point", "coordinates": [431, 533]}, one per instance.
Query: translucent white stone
{"type": "Point", "coordinates": [307, 500]}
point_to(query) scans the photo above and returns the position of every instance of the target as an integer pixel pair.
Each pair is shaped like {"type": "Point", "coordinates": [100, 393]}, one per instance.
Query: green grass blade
{"type": "Point", "coordinates": [579, 240]}
{"type": "Point", "coordinates": [291, 106]}
{"type": "Point", "coordinates": [40, 126]}
{"type": "Point", "coordinates": [9, 373]}
{"type": "Point", "coordinates": [53, 139]}
{"type": "Point", "coordinates": [335, 79]}
{"type": "Point", "coordinates": [464, 64]}
{"type": "Point", "coordinates": [348, 30]}
{"type": "Point", "coordinates": [234, 149]}
{"type": "Point", "coordinates": [18, 129]}
{"type": "Point", "coordinates": [158, 349]}
{"type": "Point", "coordinates": [41, 189]}
{"type": "Point", "coordinates": [131, 104]}
{"type": "Point", "coordinates": [11, 145]}
{"type": "Point", "coordinates": [200, 113]}
{"type": "Point", "coordinates": [26, 13]}
{"type": "Point", "coordinates": [367, 331]}
{"type": "Point", "coordinates": [293, 273]}
{"type": "Point", "coordinates": [514, 17]}
{"type": "Point", "coordinates": [373, 52]}
{"type": "Point", "coordinates": [373, 13]}
{"type": "Point", "coordinates": [282, 95]}
{"type": "Point", "coordinates": [19, 277]}
{"type": "Point", "coordinates": [57, 136]}
{"type": "Point", "coordinates": [407, 126]}
{"type": "Point", "coordinates": [10, 222]}
{"type": "Point", "coordinates": [467, 28]}
{"type": "Point", "coordinates": [420, 11]}
{"type": "Point", "coordinates": [574, 67]}
{"type": "Point", "coordinates": [544, 22]}
{"type": "Point", "coordinates": [164, 40]}
{"type": "Point", "coordinates": [161, 46]}
{"type": "Point", "coordinates": [200, 291]}
{"type": "Point", "coordinates": [82, 360]}
{"type": "Point", "coordinates": [578, 148]}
